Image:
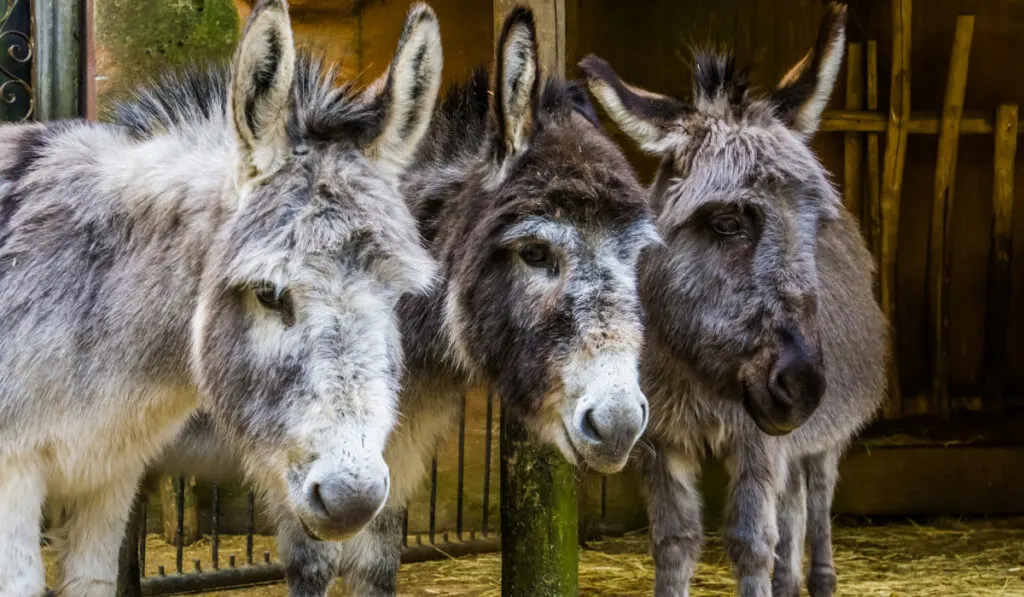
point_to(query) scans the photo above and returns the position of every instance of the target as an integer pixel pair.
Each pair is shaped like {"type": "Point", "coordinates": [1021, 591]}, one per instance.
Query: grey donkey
{"type": "Point", "coordinates": [764, 344]}
{"type": "Point", "coordinates": [240, 244]}
{"type": "Point", "coordinates": [538, 223]}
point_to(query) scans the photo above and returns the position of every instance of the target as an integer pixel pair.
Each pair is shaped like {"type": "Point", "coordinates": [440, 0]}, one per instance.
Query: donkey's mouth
{"type": "Point", "coordinates": [309, 532]}
{"type": "Point", "coordinates": [761, 418]}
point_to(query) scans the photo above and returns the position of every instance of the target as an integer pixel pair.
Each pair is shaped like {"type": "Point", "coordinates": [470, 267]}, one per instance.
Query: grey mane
{"type": "Point", "coordinates": [197, 96]}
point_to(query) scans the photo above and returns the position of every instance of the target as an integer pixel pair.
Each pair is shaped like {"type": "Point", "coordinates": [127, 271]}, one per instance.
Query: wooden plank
{"type": "Point", "coordinates": [932, 481]}
{"type": "Point", "coordinates": [892, 185]}
{"type": "Point", "coordinates": [169, 510]}
{"type": "Point", "coordinates": [942, 214]}
{"type": "Point", "coordinates": [920, 123]}
{"type": "Point", "coordinates": [853, 144]}
{"type": "Point", "coordinates": [873, 183]}
{"type": "Point", "coordinates": [549, 16]}
{"type": "Point", "coordinates": [997, 314]}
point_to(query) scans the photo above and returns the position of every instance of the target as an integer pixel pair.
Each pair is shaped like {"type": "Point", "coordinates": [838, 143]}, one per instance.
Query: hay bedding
{"type": "Point", "coordinates": [946, 559]}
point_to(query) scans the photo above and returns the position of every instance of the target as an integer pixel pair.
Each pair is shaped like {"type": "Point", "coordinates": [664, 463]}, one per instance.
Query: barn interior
{"type": "Point", "coordinates": [921, 140]}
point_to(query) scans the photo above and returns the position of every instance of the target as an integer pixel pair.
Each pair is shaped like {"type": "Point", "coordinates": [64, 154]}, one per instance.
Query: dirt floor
{"type": "Point", "coordinates": [942, 559]}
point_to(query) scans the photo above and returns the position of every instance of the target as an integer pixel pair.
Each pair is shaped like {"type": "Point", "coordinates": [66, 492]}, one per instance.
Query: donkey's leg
{"type": "Point", "coordinates": [129, 572]}
{"type": "Point", "coordinates": [371, 559]}
{"type": "Point", "coordinates": [21, 501]}
{"type": "Point", "coordinates": [751, 531]}
{"type": "Point", "coordinates": [310, 566]}
{"type": "Point", "coordinates": [822, 474]}
{"type": "Point", "coordinates": [94, 528]}
{"type": "Point", "coordinates": [675, 513]}
{"type": "Point", "coordinates": [369, 563]}
{"type": "Point", "coordinates": [792, 517]}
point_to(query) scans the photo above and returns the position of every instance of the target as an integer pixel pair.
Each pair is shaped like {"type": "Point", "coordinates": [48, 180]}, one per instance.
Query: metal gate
{"type": "Point", "coordinates": [471, 530]}
{"type": "Point", "coordinates": [17, 96]}
{"type": "Point", "coordinates": [43, 49]}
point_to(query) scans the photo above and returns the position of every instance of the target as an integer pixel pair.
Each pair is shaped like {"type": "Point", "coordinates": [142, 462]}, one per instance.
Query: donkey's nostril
{"type": "Point", "coordinates": [643, 415]}
{"type": "Point", "coordinates": [784, 390]}
{"type": "Point", "coordinates": [589, 427]}
{"type": "Point", "coordinates": [316, 499]}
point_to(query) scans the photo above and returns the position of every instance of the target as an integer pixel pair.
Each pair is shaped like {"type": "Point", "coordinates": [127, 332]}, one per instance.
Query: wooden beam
{"type": "Point", "coordinates": [874, 174]}
{"type": "Point", "coordinates": [942, 213]}
{"type": "Point", "coordinates": [892, 185]}
{"type": "Point", "coordinates": [853, 145]}
{"type": "Point", "coordinates": [189, 514]}
{"type": "Point", "coordinates": [997, 314]}
{"type": "Point", "coordinates": [549, 16]}
{"type": "Point", "coordinates": [920, 123]}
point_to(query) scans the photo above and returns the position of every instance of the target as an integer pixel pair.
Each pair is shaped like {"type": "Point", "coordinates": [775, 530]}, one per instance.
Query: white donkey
{"type": "Point", "coordinates": [238, 244]}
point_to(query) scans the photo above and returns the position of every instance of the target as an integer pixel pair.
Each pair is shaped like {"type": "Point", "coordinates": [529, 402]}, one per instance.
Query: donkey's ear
{"type": "Point", "coordinates": [648, 118]}
{"type": "Point", "coordinates": [407, 92]}
{"type": "Point", "coordinates": [261, 85]}
{"type": "Point", "coordinates": [516, 82]}
{"type": "Point", "coordinates": [803, 93]}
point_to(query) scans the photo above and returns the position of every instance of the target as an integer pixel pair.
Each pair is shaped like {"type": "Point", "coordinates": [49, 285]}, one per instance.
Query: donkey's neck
{"type": "Point", "coordinates": [135, 221]}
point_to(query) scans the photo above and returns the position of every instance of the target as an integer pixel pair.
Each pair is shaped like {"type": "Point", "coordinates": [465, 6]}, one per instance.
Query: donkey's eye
{"type": "Point", "coordinates": [270, 296]}
{"type": "Point", "coordinates": [536, 256]}
{"type": "Point", "coordinates": [726, 225]}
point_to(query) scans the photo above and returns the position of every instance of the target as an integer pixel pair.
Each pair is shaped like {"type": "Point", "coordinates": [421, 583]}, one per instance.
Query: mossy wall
{"type": "Point", "coordinates": [137, 39]}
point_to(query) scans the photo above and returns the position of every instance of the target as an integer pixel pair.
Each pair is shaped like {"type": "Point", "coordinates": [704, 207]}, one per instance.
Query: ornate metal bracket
{"type": "Point", "coordinates": [17, 96]}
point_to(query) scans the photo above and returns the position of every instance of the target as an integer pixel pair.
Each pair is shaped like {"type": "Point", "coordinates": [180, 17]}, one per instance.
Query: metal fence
{"type": "Point", "coordinates": [473, 531]}
{"type": "Point", "coordinates": [17, 95]}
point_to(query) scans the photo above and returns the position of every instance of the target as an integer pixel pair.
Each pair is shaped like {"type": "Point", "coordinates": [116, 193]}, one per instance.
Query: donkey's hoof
{"type": "Point", "coordinates": [785, 585]}
{"type": "Point", "coordinates": [821, 583]}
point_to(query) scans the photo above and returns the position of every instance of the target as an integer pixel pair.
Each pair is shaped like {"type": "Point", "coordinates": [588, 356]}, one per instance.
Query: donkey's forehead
{"type": "Point", "coordinates": [719, 156]}
{"type": "Point", "coordinates": [725, 160]}
{"type": "Point", "coordinates": [326, 205]}
{"type": "Point", "coordinates": [592, 236]}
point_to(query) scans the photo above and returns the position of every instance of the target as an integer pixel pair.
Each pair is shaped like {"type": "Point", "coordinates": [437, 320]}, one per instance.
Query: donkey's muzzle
{"type": "Point", "coordinates": [344, 501]}
{"type": "Point", "coordinates": [793, 390]}
{"type": "Point", "coordinates": [606, 431]}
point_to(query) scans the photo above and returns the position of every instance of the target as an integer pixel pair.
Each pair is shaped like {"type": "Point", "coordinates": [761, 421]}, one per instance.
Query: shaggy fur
{"type": "Point", "coordinates": [538, 223]}
{"type": "Point", "coordinates": [764, 346]}
{"type": "Point", "coordinates": [231, 246]}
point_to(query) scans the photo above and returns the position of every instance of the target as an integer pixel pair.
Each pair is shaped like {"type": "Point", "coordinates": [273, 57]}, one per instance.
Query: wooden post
{"type": "Point", "coordinates": [998, 313]}
{"type": "Point", "coordinates": [942, 213]}
{"type": "Point", "coordinates": [549, 17]}
{"type": "Point", "coordinates": [874, 175]}
{"type": "Point", "coordinates": [892, 186]}
{"type": "Point", "coordinates": [169, 510]}
{"type": "Point", "coordinates": [853, 146]}
{"type": "Point", "coordinates": [539, 517]}
{"type": "Point", "coordinates": [58, 58]}
{"type": "Point", "coordinates": [539, 497]}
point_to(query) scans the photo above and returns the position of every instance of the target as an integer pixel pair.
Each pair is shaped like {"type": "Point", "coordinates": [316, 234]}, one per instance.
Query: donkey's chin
{"type": "Point", "coordinates": [583, 453]}
{"type": "Point", "coordinates": [766, 416]}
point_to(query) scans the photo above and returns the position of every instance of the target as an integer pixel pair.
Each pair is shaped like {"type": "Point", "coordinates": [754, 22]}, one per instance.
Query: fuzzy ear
{"type": "Point", "coordinates": [648, 118]}
{"type": "Point", "coordinates": [407, 93]}
{"type": "Point", "coordinates": [804, 91]}
{"type": "Point", "coordinates": [516, 82]}
{"type": "Point", "coordinates": [261, 86]}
